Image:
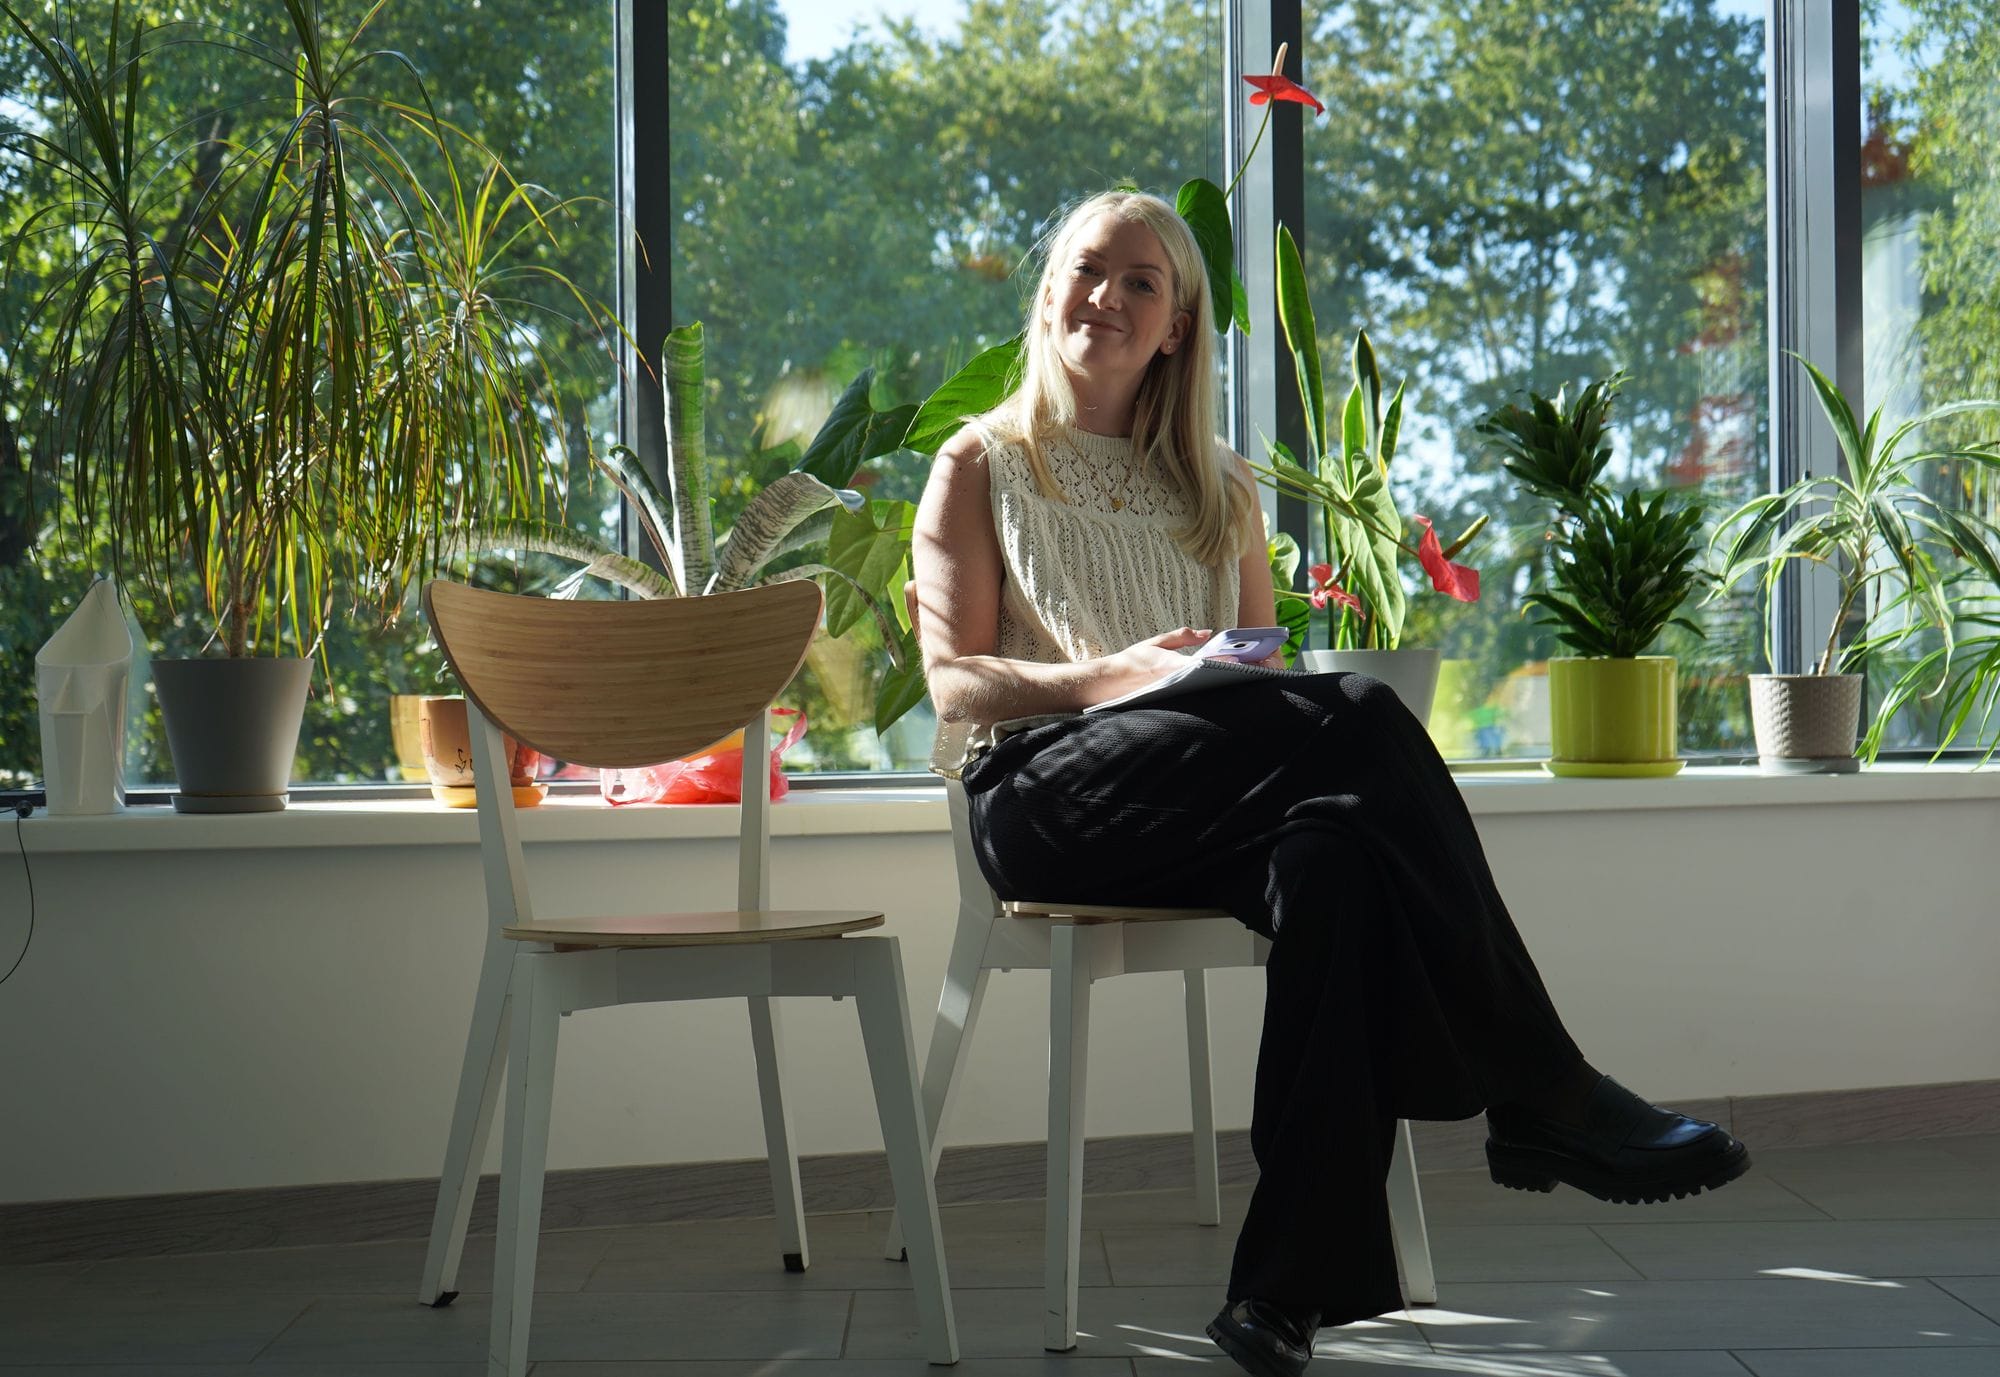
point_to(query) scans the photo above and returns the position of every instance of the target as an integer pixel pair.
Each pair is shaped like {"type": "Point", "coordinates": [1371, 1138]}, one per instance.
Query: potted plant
{"type": "Point", "coordinates": [1896, 550]}
{"type": "Point", "coordinates": [1346, 475]}
{"type": "Point", "coordinates": [1621, 568]}
{"type": "Point", "coordinates": [861, 547]}
{"type": "Point", "coordinates": [274, 353]}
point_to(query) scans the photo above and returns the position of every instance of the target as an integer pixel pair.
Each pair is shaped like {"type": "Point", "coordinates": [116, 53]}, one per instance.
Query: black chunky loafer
{"type": "Point", "coordinates": [1264, 1339]}
{"type": "Point", "coordinates": [1626, 1151]}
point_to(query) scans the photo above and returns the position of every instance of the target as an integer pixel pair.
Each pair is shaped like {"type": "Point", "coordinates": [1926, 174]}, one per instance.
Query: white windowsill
{"type": "Point", "coordinates": [920, 809]}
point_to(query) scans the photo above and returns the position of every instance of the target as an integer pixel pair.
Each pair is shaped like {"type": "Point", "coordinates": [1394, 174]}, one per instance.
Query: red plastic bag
{"type": "Point", "coordinates": [714, 776]}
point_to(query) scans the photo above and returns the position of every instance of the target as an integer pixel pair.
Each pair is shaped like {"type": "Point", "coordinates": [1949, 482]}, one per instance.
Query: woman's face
{"type": "Point", "coordinates": [1110, 303]}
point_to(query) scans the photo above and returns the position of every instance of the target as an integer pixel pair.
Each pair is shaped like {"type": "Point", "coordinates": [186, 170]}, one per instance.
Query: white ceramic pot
{"type": "Point", "coordinates": [1412, 672]}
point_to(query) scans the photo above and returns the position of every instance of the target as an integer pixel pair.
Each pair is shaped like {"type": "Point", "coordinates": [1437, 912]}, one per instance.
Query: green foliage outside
{"type": "Point", "coordinates": [1497, 193]}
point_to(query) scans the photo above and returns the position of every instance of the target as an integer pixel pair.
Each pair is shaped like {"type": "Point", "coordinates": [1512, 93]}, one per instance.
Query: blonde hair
{"type": "Point", "coordinates": [1174, 415]}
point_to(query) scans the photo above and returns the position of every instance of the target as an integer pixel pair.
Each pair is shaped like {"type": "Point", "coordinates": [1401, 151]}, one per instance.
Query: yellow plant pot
{"type": "Point", "coordinates": [1614, 718]}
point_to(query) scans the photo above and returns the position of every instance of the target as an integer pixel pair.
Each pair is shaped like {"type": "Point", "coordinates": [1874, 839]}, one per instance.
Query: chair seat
{"type": "Point", "coordinates": [1104, 913]}
{"type": "Point", "coordinates": [695, 929]}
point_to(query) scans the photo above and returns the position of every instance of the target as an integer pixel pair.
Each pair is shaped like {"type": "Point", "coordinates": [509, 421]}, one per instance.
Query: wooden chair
{"type": "Point", "coordinates": [627, 684]}
{"type": "Point", "coordinates": [1079, 944]}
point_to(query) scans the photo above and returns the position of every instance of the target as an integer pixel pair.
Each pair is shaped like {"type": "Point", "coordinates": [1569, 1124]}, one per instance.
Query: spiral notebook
{"type": "Point", "coordinates": [1196, 676]}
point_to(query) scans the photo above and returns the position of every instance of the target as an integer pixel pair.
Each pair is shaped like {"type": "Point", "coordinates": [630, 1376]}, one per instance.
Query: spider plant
{"type": "Point", "coordinates": [270, 349]}
{"type": "Point", "coordinates": [1891, 543]}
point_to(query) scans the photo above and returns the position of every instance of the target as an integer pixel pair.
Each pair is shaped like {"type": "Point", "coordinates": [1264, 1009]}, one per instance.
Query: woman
{"type": "Point", "coordinates": [1069, 546]}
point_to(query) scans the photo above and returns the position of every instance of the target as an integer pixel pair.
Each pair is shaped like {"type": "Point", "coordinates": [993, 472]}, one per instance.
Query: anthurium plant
{"type": "Point", "coordinates": [1345, 474]}
{"type": "Point", "coordinates": [1622, 566]}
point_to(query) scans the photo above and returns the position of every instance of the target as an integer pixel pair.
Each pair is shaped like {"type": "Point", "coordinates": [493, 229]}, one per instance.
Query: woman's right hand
{"type": "Point", "coordinates": [1140, 664]}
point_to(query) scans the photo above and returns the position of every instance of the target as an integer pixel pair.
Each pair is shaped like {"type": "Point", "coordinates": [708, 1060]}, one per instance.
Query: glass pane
{"type": "Point", "coordinates": [856, 183]}
{"type": "Point", "coordinates": [528, 81]}
{"type": "Point", "coordinates": [1930, 205]}
{"type": "Point", "coordinates": [1524, 196]}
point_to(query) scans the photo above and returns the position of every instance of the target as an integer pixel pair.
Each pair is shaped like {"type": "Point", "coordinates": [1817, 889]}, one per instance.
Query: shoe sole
{"type": "Point", "coordinates": [1248, 1359]}
{"type": "Point", "coordinates": [1530, 1169]}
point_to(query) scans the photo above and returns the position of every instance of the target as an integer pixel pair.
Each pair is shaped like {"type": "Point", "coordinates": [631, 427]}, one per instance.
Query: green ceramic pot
{"type": "Point", "coordinates": [1613, 718]}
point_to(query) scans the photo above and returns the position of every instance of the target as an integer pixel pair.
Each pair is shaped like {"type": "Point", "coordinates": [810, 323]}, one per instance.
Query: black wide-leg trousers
{"type": "Point", "coordinates": [1319, 813]}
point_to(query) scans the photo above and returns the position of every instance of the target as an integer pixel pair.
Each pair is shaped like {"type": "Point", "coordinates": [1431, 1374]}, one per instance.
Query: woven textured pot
{"type": "Point", "coordinates": [1806, 723]}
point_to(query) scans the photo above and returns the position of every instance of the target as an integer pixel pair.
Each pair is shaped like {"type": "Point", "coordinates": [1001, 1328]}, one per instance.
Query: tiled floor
{"type": "Point", "coordinates": [1869, 1261]}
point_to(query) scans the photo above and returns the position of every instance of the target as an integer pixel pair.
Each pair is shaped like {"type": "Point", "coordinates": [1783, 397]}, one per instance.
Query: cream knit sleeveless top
{"type": "Point", "coordinates": [1094, 574]}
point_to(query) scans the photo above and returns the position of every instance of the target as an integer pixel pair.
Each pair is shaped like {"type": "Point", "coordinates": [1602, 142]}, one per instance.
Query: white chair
{"type": "Point", "coordinates": [625, 684]}
{"type": "Point", "coordinates": [1079, 944]}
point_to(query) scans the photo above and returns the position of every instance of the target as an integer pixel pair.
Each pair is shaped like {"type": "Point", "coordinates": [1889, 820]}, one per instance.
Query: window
{"type": "Point", "coordinates": [1512, 196]}
{"type": "Point", "coordinates": [530, 79]}
{"type": "Point", "coordinates": [860, 185]}
{"type": "Point", "coordinates": [1930, 290]}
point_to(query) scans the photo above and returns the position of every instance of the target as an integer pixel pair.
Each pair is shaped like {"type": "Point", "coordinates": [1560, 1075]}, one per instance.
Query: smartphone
{"type": "Point", "coordinates": [1244, 644]}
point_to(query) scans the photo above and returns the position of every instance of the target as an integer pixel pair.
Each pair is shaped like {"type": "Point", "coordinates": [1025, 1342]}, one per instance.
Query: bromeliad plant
{"type": "Point", "coordinates": [1897, 550]}
{"type": "Point", "coordinates": [863, 546]}
{"type": "Point", "coordinates": [1622, 566]}
{"type": "Point", "coordinates": [1346, 474]}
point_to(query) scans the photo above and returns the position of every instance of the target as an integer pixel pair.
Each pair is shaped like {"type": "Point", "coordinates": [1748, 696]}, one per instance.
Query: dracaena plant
{"type": "Point", "coordinates": [282, 356]}
{"type": "Point", "coordinates": [861, 546]}
{"type": "Point", "coordinates": [1622, 566]}
{"type": "Point", "coordinates": [1345, 474]}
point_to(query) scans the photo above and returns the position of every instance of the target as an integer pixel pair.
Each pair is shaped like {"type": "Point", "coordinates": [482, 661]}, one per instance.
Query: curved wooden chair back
{"type": "Point", "coordinates": [623, 684]}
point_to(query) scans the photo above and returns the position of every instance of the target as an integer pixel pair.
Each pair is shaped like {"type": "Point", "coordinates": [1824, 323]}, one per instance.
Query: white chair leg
{"type": "Point", "coordinates": [1201, 1095]}
{"type": "Point", "coordinates": [883, 1004]}
{"type": "Point", "coordinates": [1406, 1220]}
{"type": "Point", "coordinates": [951, 1037]}
{"type": "Point", "coordinates": [479, 1079]}
{"type": "Point", "coordinates": [786, 1197]}
{"type": "Point", "coordinates": [1069, 1049]}
{"type": "Point", "coordinates": [524, 1153]}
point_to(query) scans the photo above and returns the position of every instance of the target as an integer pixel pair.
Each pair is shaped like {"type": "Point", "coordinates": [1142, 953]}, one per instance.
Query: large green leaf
{"type": "Point", "coordinates": [902, 684]}
{"type": "Point", "coordinates": [977, 388]}
{"type": "Point", "coordinates": [691, 553]}
{"type": "Point", "coordinates": [870, 546]}
{"type": "Point", "coordinates": [855, 432]}
{"type": "Point", "coordinates": [529, 536]}
{"type": "Point", "coordinates": [1202, 204]}
{"type": "Point", "coordinates": [654, 508]}
{"type": "Point", "coordinates": [1295, 314]}
{"type": "Point", "coordinates": [772, 515]}
{"type": "Point", "coordinates": [1294, 614]}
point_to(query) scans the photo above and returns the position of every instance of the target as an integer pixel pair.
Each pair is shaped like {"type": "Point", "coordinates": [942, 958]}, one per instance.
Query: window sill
{"type": "Point", "coordinates": [920, 809]}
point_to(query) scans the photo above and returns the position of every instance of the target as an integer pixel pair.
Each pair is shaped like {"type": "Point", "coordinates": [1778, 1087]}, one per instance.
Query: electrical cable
{"type": "Point", "coordinates": [27, 872]}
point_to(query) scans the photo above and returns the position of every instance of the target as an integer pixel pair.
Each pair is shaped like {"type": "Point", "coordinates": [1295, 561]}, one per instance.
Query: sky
{"type": "Point", "coordinates": [814, 28]}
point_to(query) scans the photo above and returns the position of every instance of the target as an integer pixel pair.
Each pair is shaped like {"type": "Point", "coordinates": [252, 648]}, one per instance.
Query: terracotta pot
{"type": "Point", "coordinates": [447, 746]}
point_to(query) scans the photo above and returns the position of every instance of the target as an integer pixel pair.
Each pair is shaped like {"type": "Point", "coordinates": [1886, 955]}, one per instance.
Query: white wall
{"type": "Point", "coordinates": [258, 1002]}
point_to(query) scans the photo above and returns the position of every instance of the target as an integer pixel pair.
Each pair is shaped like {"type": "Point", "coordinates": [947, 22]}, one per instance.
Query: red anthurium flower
{"type": "Point", "coordinates": [1459, 581]}
{"type": "Point", "coordinates": [1325, 590]}
{"type": "Point", "coordinates": [1276, 87]}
